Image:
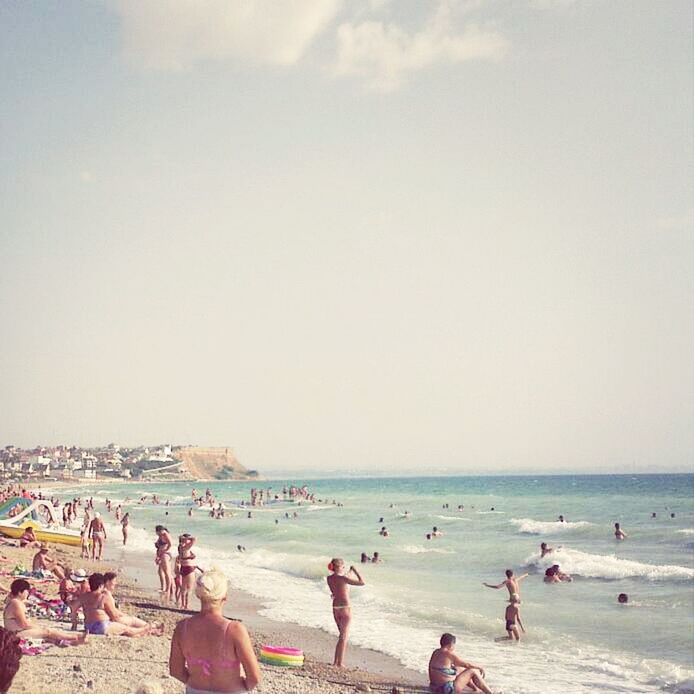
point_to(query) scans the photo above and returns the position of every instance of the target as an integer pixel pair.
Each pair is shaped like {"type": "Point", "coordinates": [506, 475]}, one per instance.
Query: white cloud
{"type": "Point", "coordinates": [385, 54]}
{"type": "Point", "coordinates": [175, 35]}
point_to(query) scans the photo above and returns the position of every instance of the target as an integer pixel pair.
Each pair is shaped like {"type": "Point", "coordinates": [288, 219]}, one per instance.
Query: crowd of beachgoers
{"type": "Point", "coordinates": [208, 652]}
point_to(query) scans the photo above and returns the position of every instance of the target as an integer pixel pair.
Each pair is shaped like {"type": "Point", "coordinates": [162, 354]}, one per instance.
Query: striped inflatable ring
{"type": "Point", "coordinates": [280, 663]}
{"type": "Point", "coordinates": [282, 651]}
{"type": "Point", "coordinates": [274, 658]}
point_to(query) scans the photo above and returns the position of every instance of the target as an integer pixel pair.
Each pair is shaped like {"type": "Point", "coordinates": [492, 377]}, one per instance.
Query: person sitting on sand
{"type": "Point", "coordinates": [449, 674]}
{"type": "Point", "coordinates": [114, 613]}
{"type": "Point", "coordinates": [339, 583]}
{"type": "Point", "coordinates": [42, 562]}
{"type": "Point", "coordinates": [15, 618]}
{"type": "Point", "coordinates": [511, 584]}
{"type": "Point", "coordinates": [619, 533]}
{"type": "Point", "coordinates": [544, 550]}
{"type": "Point", "coordinates": [208, 650]}
{"type": "Point", "coordinates": [28, 538]}
{"type": "Point", "coordinates": [512, 615]}
{"type": "Point", "coordinates": [96, 619]}
{"type": "Point", "coordinates": [97, 534]}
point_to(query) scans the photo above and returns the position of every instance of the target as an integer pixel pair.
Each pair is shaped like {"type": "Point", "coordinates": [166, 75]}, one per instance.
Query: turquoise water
{"type": "Point", "coordinates": [579, 639]}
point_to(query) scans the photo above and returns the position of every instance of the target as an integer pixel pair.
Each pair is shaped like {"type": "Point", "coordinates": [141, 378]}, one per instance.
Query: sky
{"type": "Point", "coordinates": [360, 236]}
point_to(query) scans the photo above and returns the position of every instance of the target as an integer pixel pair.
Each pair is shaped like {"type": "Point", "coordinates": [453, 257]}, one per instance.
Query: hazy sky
{"type": "Point", "coordinates": [358, 235]}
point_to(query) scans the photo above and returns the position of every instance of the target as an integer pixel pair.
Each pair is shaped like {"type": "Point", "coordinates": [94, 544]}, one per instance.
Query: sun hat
{"type": "Point", "coordinates": [78, 576]}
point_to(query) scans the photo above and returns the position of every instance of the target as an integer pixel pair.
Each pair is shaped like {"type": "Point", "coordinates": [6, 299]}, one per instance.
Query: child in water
{"type": "Point", "coordinates": [512, 615]}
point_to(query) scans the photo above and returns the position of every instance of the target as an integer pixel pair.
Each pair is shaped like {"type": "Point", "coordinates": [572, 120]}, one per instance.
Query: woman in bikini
{"type": "Point", "coordinates": [96, 619]}
{"type": "Point", "coordinates": [163, 561]}
{"type": "Point", "coordinates": [210, 653]}
{"type": "Point", "coordinates": [339, 583]}
{"type": "Point", "coordinates": [15, 618]}
{"type": "Point", "coordinates": [187, 567]}
{"type": "Point", "coordinates": [449, 674]}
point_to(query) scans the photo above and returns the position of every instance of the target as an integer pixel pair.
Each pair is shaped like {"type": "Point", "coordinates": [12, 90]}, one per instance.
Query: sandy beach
{"type": "Point", "coordinates": [119, 664]}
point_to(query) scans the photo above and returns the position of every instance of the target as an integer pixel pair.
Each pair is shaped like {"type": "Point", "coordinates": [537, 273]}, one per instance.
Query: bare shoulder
{"type": "Point", "coordinates": [237, 629]}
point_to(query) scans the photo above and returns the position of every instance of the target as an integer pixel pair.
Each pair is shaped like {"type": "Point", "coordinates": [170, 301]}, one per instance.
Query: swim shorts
{"type": "Point", "coordinates": [97, 628]}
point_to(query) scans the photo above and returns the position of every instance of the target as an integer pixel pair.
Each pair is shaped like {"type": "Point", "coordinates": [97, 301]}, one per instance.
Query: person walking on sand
{"type": "Point", "coordinates": [209, 653]}
{"type": "Point", "coordinates": [619, 533]}
{"type": "Point", "coordinates": [15, 618]}
{"type": "Point", "coordinates": [512, 615]}
{"type": "Point", "coordinates": [97, 534]}
{"type": "Point", "coordinates": [449, 674]}
{"type": "Point", "coordinates": [339, 583]}
{"type": "Point", "coordinates": [511, 583]}
{"type": "Point", "coordinates": [124, 526]}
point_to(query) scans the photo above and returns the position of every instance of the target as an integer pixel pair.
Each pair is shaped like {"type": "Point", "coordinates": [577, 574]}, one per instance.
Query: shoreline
{"type": "Point", "coordinates": [366, 664]}
{"type": "Point", "coordinates": [105, 665]}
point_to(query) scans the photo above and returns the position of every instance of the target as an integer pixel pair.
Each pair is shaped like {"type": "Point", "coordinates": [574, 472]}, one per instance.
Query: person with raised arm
{"type": "Point", "coordinates": [339, 583]}
{"type": "Point", "coordinates": [511, 584]}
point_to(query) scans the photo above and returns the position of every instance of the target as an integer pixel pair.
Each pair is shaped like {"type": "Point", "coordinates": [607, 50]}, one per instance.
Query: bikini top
{"type": "Point", "coordinates": [207, 665]}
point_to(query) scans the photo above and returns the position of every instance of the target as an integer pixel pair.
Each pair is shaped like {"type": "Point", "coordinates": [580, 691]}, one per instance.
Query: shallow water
{"type": "Point", "coordinates": [579, 639]}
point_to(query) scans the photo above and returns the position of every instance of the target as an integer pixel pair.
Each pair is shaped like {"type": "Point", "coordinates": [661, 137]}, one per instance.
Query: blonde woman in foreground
{"type": "Point", "coordinates": [208, 651]}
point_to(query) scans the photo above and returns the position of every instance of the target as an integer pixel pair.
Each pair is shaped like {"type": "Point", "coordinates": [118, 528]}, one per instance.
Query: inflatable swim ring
{"type": "Point", "coordinates": [284, 657]}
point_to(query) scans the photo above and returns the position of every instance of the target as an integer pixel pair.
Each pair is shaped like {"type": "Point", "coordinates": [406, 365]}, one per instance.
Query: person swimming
{"type": "Point", "coordinates": [544, 549]}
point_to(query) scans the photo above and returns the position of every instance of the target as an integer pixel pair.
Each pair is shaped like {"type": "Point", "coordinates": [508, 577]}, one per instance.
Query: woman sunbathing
{"type": "Point", "coordinates": [96, 620]}
{"type": "Point", "coordinates": [16, 620]}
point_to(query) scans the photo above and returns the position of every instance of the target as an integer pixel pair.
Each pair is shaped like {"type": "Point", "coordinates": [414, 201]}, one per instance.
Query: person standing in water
{"type": "Point", "coordinates": [512, 615]}
{"type": "Point", "coordinates": [619, 533]}
{"type": "Point", "coordinates": [125, 522]}
{"type": "Point", "coordinates": [339, 583]}
{"type": "Point", "coordinates": [511, 583]}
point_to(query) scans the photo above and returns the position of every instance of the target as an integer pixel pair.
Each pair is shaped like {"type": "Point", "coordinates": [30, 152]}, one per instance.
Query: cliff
{"type": "Point", "coordinates": [211, 463]}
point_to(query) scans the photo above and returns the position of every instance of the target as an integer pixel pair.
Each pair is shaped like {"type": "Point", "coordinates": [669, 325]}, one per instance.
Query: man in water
{"type": "Point", "coordinates": [449, 674]}
{"type": "Point", "coordinates": [622, 598]}
{"type": "Point", "coordinates": [376, 558]}
{"type": "Point", "coordinates": [511, 584]}
{"type": "Point", "coordinates": [561, 519]}
{"type": "Point", "coordinates": [619, 533]}
{"type": "Point", "coordinates": [435, 532]}
{"type": "Point", "coordinates": [544, 549]}
{"type": "Point", "coordinates": [339, 583]}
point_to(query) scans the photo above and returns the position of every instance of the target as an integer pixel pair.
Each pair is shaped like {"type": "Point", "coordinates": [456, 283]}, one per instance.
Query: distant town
{"type": "Point", "coordinates": [163, 461]}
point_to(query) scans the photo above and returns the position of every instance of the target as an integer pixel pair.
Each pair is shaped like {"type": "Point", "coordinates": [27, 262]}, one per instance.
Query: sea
{"type": "Point", "coordinates": [578, 640]}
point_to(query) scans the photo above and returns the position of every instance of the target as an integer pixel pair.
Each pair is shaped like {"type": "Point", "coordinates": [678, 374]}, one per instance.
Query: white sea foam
{"type": "Point", "coordinates": [418, 549]}
{"type": "Point", "coordinates": [687, 531]}
{"type": "Point", "coordinates": [455, 518]}
{"type": "Point", "coordinates": [605, 566]}
{"type": "Point", "coordinates": [529, 526]}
